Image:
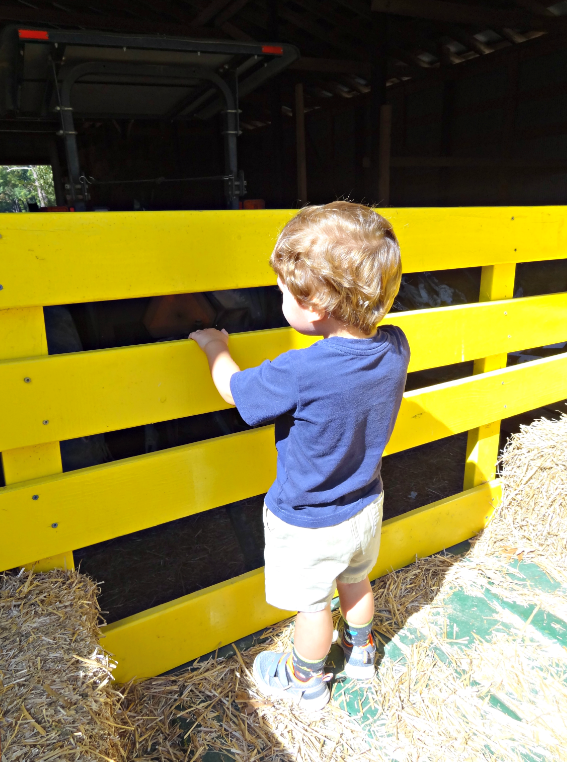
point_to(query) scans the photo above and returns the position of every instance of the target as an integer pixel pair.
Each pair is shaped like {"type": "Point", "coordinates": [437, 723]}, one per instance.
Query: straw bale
{"type": "Point", "coordinates": [56, 698]}
{"type": "Point", "coordinates": [531, 522]}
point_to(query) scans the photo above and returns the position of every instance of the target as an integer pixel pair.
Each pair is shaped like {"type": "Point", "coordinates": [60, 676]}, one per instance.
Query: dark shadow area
{"type": "Point", "coordinates": [421, 379]}
{"type": "Point", "coordinates": [423, 475]}
{"type": "Point", "coordinates": [536, 353]}
{"type": "Point", "coordinates": [165, 562]}
{"type": "Point", "coordinates": [441, 288]}
{"type": "Point", "coordinates": [130, 322]}
{"type": "Point", "coordinates": [537, 278]}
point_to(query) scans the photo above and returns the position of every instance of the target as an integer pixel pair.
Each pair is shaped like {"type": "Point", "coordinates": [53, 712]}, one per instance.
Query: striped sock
{"type": "Point", "coordinates": [358, 634]}
{"type": "Point", "coordinates": [304, 669]}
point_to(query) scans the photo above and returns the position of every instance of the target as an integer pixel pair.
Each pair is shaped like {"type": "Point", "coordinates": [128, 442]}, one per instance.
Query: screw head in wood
{"type": "Point", "coordinates": [27, 380]}
{"type": "Point", "coordinates": [45, 423]}
{"type": "Point", "coordinates": [54, 525]}
{"type": "Point", "coordinates": [35, 497]}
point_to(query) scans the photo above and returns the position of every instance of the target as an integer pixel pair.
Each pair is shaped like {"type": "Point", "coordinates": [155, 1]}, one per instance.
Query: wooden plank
{"type": "Point", "coordinates": [440, 411]}
{"type": "Point", "coordinates": [497, 282]}
{"type": "Point", "coordinates": [131, 254]}
{"type": "Point", "coordinates": [132, 494]}
{"type": "Point", "coordinates": [22, 333]}
{"type": "Point", "coordinates": [166, 636]}
{"type": "Point", "coordinates": [185, 480]}
{"type": "Point", "coordinates": [89, 392]}
{"type": "Point", "coordinates": [433, 527]}
{"type": "Point", "coordinates": [448, 335]}
{"type": "Point", "coordinates": [92, 392]}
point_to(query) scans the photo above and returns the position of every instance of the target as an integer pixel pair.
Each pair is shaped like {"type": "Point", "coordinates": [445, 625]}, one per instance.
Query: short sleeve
{"type": "Point", "coordinates": [264, 393]}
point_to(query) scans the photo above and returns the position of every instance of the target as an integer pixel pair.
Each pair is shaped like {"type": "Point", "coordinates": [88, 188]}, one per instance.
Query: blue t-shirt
{"type": "Point", "coordinates": [334, 405]}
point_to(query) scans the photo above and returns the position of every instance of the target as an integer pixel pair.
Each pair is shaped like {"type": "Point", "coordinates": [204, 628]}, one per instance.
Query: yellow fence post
{"type": "Point", "coordinates": [497, 282]}
{"type": "Point", "coordinates": [22, 334]}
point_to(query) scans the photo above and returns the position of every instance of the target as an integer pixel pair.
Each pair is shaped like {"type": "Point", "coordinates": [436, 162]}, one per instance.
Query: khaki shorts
{"type": "Point", "coordinates": [303, 565]}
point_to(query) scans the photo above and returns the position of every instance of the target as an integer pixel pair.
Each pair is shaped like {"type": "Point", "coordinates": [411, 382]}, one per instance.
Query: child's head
{"type": "Point", "coordinates": [343, 259]}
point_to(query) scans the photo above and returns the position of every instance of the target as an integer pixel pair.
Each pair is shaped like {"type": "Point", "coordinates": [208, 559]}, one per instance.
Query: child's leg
{"type": "Point", "coordinates": [357, 602]}
{"type": "Point", "coordinates": [313, 634]}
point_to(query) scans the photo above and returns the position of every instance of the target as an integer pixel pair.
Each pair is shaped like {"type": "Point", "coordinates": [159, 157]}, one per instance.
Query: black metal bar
{"type": "Point", "coordinates": [230, 134]}
{"type": "Point", "coordinates": [68, 133]}
{"type": "Point", "coordinates": [157, 180]}
{"type": "Point", "coordinates": [147, 42]}
{"type": "Point", "coordinates": [266, 71]}
{"type": "Point", "coordinates": [229, 94]}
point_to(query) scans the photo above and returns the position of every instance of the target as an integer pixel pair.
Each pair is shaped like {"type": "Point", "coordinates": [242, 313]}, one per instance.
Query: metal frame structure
{"type": "Point", "coordinates": [220, 92]}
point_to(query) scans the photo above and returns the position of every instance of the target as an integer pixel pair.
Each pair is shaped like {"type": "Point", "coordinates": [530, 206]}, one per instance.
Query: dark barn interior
{"type": "Point", "coordinates": [387, 102]}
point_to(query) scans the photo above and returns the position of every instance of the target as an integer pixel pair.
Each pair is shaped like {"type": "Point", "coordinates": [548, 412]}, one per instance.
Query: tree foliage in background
{"type": "Point", "coordinates": [20, 186]}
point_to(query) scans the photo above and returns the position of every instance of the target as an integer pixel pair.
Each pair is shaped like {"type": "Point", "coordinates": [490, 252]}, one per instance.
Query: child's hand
{"type": "Point", "coordinates": [207, 335]}
{"type": "Point", "coordinates": [215, 346]}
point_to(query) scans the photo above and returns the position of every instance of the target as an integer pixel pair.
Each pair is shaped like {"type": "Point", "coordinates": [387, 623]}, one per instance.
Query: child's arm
{"type": "Point", "coordinates": [215, 345]}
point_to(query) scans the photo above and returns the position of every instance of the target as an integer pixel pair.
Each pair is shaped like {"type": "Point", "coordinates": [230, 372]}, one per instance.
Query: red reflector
{"type": "Point", "coordinates": [32, 34]}
{"type": "Point", "coordinates": [272, 49]}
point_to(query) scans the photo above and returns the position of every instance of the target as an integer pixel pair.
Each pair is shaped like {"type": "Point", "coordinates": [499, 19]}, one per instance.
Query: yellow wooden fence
{"type": "Point", "coordinates": [68, 258]}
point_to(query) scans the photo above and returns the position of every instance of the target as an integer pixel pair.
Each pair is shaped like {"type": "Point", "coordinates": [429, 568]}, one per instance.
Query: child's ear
{"type": "Point", "coordinates": [313, 314]}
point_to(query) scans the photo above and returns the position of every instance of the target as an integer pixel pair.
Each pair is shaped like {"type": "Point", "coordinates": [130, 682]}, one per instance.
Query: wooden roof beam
{"type": "Point", "coordinates": [48, 16]}
{"type": "Point", "coordinates": [512, 35]}
{"type": "Point", "coordinates": [231, 10]}
{"type": "Point", "coordinates": [465, 38]}
{"type": "Point", "coordinates": [165, 7]}
{"type": "Point", "coordinates": [332, 66]}
{"type": "Point", "coordinates": [458, 13]}
{"type": "Point", "coordinates": [358, 6]}
{"type": "Point", "coordinates": [540, 9]}
{"type": "Point", "coordinates": [210, 10]}
{"type": "Point", "coordinates": [319, 32]}
{"type": "Point", "coordinates": [353, 24]}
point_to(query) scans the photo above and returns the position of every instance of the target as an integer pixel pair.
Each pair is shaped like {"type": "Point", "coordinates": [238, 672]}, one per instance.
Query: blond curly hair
{"type": "Point", "coordinates": [342, 258]}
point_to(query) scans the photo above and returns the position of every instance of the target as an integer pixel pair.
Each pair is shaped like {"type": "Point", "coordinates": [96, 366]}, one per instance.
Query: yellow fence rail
{"type": "Point", "coordinates": [60, 259]}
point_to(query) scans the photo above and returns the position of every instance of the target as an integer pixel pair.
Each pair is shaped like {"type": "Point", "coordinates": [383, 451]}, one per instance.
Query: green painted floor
{"type": "Point", "coordinates": [462, 621]}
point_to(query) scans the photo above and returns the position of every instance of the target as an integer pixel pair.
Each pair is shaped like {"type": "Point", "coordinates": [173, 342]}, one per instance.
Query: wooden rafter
{"type": "Point", "coordinates": [46, 16]}
{"type": "Point", "coordinates": [331, 66]}
{"type": "Point", "coordinates": [168, 8]}
{"type": "Point", "coordinates": [534, 6]}
{"type": "Point", "coordinates": [210, 10]}
{"type": "Point", "coordinates": [236, 32]}
{"type": "Point", "coordinates": [512, 35]}
{"type": "Point", "coordinates": [465, 38]}
{"type": "Point", "coordinates": [352, 23]}
{"type": "Point", "coordinates": [231, 10]}
{"type": "Point", "coordinates": [304, 22]}
{"type": "Point", "coordinates": [459, 13]}
{"type": "Point", "coordinates": [358, 6]}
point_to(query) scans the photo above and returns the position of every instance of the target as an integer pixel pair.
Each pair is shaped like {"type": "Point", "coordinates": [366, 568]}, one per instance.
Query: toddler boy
{"type": "Point", "coordinates": [334, 405]}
